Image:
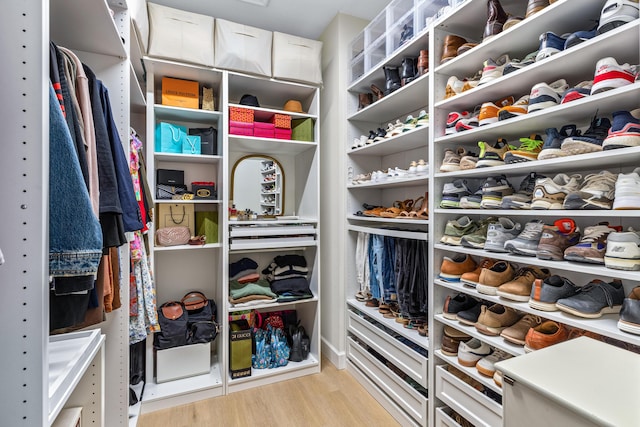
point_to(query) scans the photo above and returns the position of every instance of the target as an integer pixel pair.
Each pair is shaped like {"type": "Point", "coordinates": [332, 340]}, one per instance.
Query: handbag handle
{"type": "Point", "coordinates": [194, 301]}
{"type": "Point", "coordinates": [193, 145]}
{"type": "Point", "coordinates": [173, 133]}
{"type": "Point", "coordinates": [184, 213]}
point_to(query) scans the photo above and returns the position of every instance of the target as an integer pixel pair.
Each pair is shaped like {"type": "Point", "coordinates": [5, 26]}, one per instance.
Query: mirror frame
{"type": "Point", "coordinates": [264, 156]}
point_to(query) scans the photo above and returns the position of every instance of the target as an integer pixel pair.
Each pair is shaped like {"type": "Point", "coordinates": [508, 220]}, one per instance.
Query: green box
{"type": "Point", "coordinates": [240, 343]}
{"type": "Point", "coordinates": [302, 129]}
{"type": "Point", "coordinates": [207, 224]}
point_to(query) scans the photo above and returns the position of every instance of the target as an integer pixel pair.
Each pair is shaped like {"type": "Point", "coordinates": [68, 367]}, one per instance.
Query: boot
{"type": "Point", "coordinates": [377, 91]}
{"type": "Point", "coordinates": [496, 17]}
{"type": "Point", "coordinates": [451, 45]}
{"type": "Point", "coordinates": [409, 70]}
{"type": "Point", "coordinates": [423, 62]}
{"type": "Point", "coordinates": [365, 99]}
{"type": "Point", "coordinates": [393, 79]}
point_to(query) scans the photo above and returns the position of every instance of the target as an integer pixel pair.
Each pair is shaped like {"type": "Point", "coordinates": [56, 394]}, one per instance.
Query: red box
{"type": "Point", "coordinates": [241, 131]}
{"type": "Point", "coordinates": [281, 121]}
{"type": "Point", "coordinates": [235, 124]}
{"type": "Point", "coordinates": [283, 133]}
{"type": "Point", "coordinates": [238, 114]}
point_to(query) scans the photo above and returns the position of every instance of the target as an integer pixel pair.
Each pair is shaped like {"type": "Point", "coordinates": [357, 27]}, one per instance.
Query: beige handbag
{"type": "Point", "coordinates": [176, 214]}
{"type": "Point", "coordinates": [173, 236]}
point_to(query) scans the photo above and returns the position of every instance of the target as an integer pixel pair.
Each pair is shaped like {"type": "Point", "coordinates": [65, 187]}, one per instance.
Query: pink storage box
{"type": "Point", "coordinates": [264, 130]}
{"type": "Point", "coordinates": [283, 133]}
{"type": "Point", "coordinates": [236, 124]}
{"type": "Point", "coordinates": [240, 131]}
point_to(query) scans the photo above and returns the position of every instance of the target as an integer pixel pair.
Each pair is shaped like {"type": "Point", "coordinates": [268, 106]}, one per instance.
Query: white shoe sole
{"type": "Point", "coordinates": [606, 310]}
{"type": "Point", "coordinates": [571, 147]}
{"type": "Point", "coordinates": [622, 141]}
{"type": "Point", "coordinates": [543, 204]}
{"type": "Point", "coordinates": [543, 306]}
{"type": "Point", "coordinates": [626, 202]}
{"type": "Point", "coordinates": [632, 328]}
{"type": "Point", "coordinates": [626, 264]}
{"type": "Point", "coordinates": [487, 290]}
{"type": "Point", "coordinates": [513, 297]}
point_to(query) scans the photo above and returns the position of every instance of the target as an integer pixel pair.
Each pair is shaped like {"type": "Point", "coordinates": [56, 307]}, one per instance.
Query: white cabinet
{"type": "Point", "coordinates": [575, 64]}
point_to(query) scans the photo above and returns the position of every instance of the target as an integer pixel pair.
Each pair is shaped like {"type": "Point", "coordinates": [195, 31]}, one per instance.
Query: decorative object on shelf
{"type": "Point", "coordinates": [180, 35]}
{"type": "Point", "coordinates": [175, 214]}
{"type": "Point", "coordinates": [208, 100]}
{"type": "Point", "coordinates": [247, 176]}
{"type": "Point", "coordinates": [302, 129]}
{"type": "Point", "coordinates": [242, 48]}
{"type": "Point", "coordinates": [170, 138]}
{"type": "Point", "coordinates": [208, 139]}
{"type": "Point", "coordinates": [173, 236]}
{"type": "Point", "coordinates": [179, 93]}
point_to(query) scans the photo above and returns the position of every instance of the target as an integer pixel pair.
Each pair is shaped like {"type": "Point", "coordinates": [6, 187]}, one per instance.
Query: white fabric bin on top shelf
{"type": "Point", "coordinates": [243, 48]}
{"type": "Point", "coordinates": [296, 58]}
{"type": "Point", "coordinates": [179, 35]}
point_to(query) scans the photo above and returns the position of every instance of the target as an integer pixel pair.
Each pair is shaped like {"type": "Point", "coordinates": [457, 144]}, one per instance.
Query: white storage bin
{"type": "Point", "coordinates": [296, 58]}
{"type": "Point", "coordinates": [182, 362]}
{"type": "Point", "coordinates": [140, 21]}
{"type": "Point", "coordinates": [179, 35]}
{"type": "Point", "coordinates": [242, 48]}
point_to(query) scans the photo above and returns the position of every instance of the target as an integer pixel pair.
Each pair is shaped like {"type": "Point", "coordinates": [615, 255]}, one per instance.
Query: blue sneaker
{"type": "Point", "coordinates": [624, 132]}
{"type": "Point", "coordinates": [580, 36]}
{"type": "Point", "coordinates": [553, 142]}
{"type": "Point", "coordinates": [590, 141]}
{"type": "Point", "coordinates": [550, 44]}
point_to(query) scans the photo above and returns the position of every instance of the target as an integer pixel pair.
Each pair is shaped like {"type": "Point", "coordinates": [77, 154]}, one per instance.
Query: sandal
{"type": "Point", "coordinates": [423, 211]}
{"type": "Point", "coordinates": [198, 240]}
{"type": "Point", "coordinates": [363, 296]}
{"type": "Point", "coordinates": [397, 208]}
{"type": "Point", "coordinates": [374, 211]}
{"type": "Point", "coordinates": [372, 303]}
{"type": "Point", "coordinates": [402, 320]}
{"type": "Point", "coordinates": [394, 311]}
{"type": "Point", "coordinates": [423, 330]}
{"type": "Point", "coordinates": [407, 214]}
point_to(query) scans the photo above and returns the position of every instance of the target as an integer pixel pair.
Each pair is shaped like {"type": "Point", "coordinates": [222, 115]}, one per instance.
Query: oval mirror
{"type": "Point", "coordinates": [257, 184]}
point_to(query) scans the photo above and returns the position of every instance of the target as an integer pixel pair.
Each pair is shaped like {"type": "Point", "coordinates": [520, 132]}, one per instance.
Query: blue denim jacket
{"type": "Point", "coordinates": [75, 236]}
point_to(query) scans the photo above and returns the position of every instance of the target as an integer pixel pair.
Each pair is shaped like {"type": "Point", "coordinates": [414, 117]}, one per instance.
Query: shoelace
{"type": "Point", "coordinates": [591, 234]}
{"type": "Point", "coordinates": [528, 144]}
{"type": "Point", "coordinates": [594, 179]}
{"type": "Point", "coordinates": [531, 319]}
{"type": "Point", "coordinates": [525, 271]}
{"type": "Point", "coordinates": [531, 231]}
{"type": "Point", "coordinates": [598, 284]}
{"type": "Point", "coordinates": [528, 184]}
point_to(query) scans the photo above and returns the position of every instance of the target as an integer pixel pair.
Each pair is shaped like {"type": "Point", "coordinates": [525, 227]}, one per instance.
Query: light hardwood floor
{"type": "Point", "coordinates": [332, 398]}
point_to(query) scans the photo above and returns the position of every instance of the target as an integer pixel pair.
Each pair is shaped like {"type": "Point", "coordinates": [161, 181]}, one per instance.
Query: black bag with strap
{"type": "Point", "coordinates": [172, 318]}
{"type": "Point", "coordinates": [201, 326]}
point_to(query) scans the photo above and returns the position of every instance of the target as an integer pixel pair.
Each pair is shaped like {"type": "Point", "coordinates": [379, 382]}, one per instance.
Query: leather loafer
{"type": "Point", "coordinates": [451, 45]}
{"type": "Point", "coordinates": [535, 6]}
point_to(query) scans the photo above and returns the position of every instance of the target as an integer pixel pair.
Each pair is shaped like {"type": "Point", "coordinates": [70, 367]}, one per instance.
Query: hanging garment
{"type": "Point", "coordinates": [362, 263]}
{"type": "Point", "coordinates": [145, 320]}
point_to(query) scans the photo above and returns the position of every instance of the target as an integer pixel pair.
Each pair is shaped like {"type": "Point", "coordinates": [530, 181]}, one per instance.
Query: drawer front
{"type": "Point", "coordinates": [443, 419]}
{"type": "Point", "coordinates": [405, 396]}
{"type": "Point", "coordinates": [467, 401]}
{"type": "Point", "coordinates": [410, 362]}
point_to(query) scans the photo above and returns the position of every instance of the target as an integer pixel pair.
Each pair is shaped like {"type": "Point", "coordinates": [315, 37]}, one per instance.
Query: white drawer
{"type": "Point", "coordinates": [405, 358]}
{"type": "Point", "coordinates": [405, 396]}
{"type": "Point", "coordinates": [479, 409]}
{"type": "Point", "coordinates": [443, 418]}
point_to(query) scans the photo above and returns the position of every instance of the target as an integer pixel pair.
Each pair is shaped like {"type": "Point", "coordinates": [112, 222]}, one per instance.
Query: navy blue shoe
{"type": "Point", "coordinates": [624, 132]}
{"type": "Point", "coordinates": [580, 36]}
{"type": "Point", "coordinates": [550, 44]}
{"type": "Point", "coordinates": [553, 142]}
{"type": "Point", "coordinates": [590, 141]}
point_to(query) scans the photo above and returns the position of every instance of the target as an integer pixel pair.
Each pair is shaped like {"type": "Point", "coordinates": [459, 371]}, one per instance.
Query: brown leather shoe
{"type": "Point", "coordinates": [471, 278]}
{"type": "Point", "coordinates": [493, 320]}
{"type": "Point", "coordinates": [546, 334]}
{"type": "Point", "coordinates": [535, 6]}
{"type": "Point", "coordinates": [519, 289]}
{"type": "Point", "coordinates": [451, 45]}
{"type": "Point", "coordinates": [377, 91]}
{"type": "Point", "coordinates": [517, 332]}
{"type": "Point", "coordinates": [364, 100]}
{"type": "Point", "coordinates": [490, 278]}
{"type": "Point", "coordinates": [423, 62]}
{"type": "Point", "coordinates": [496, 17]}
{"type": "Point", "coordinates": [453, 267]}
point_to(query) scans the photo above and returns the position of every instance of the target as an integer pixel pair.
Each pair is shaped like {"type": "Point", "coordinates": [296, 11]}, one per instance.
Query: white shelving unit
{"type": "Point", "coordinates": [38, 381]}
{"type": "Point", "coordinates": [575, 64]}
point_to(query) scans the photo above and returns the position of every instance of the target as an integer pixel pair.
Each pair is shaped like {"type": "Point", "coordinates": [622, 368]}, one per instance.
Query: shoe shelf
{"type": "Point", "coordinates": [495, 342]}
{"type": "Point", "coordinates": [600, 160]}
{"type": "Point", "coordinates": [579, 111]}
{"type": "Point", "coordinates": [409, 98]}
{"type": "Point", "coordinates": [605, 325]}
{"type": "Point", "coordinates": [252, 144]}
{"type": "Point", "coordinates": [568, 266]}
{"type": "Point", "coordinates": [414, 138]}
{"type": "Point", "coordinates": [417, 181]}
{"type": "Point", "coordinates": [389, 221]}
{"type": "Point", "coordinates": [555, 213]}
{"type": "Point", "coordinates": [391, 232]}
{"type": "Point", "coordinates": [471, 371]}
{"type": "Point", "coordinates": [410, 334]}
{"type": "Point", "coordinates": [520, 39]}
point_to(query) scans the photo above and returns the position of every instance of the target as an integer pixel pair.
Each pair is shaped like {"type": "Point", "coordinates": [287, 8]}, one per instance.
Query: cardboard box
{"type": "Point", "coordinates": [180, 93]}
{"type": "Point", "coordinates": [240, 343]}
{"type": "Point", "coordinates": [183, 362]}
{"type": "Point", "coordinates": [302, 129]}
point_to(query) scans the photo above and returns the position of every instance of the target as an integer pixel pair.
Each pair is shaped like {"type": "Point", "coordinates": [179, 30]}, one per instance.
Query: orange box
{"type": "Point", "coordinates": [180, 93]}
{"type": "Point", "coordinates": [238, 114]}
{"type": "Point", "coordinates": [282, 121]}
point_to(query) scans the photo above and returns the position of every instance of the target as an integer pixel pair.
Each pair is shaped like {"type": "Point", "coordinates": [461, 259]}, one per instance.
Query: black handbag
{"type": "Point", "coordinates": [173, 326]}
{"type": "Point", "coordinates": [208, 139]}
{"type": "Point", "coordinates": [201, 326]}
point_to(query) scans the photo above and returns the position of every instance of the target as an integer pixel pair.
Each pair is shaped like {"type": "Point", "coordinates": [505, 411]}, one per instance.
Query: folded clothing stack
{"type": "Point", "coordinates": [287, 275]}
{"type": "Point", "coordinates": [245, 285]}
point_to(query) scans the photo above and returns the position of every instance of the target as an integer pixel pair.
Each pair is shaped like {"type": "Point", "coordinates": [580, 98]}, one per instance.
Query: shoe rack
{"type": "Point", "coordinates": [575, 65]}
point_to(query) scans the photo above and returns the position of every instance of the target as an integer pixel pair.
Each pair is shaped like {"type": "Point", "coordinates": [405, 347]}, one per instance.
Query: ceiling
{"type": "Point", "coordinates": [303, 18]}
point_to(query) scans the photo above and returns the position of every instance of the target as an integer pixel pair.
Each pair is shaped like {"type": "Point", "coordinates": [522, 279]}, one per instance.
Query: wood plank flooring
{"type": "Point", "coordinates": [332, 398]}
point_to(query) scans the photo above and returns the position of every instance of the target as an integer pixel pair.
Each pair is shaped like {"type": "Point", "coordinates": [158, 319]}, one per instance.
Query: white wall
{"type": "Point", "coordinates": [333, 112]}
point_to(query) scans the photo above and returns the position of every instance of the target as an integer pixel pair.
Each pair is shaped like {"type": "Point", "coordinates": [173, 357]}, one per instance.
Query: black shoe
{"type": "Point", "coordinates": [409, 70]}
{"type": "Point", "coordinates": [380, 135]}
{"type": "Point", "coordinates": [392, 76]}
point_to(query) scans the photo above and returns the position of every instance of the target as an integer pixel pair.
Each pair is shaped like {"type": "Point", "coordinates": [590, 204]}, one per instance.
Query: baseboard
{"type": "Point", "coordinates": [337, 358]}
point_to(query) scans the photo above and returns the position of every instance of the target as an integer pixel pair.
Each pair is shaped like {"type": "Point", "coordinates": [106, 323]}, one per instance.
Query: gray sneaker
{"type": "Point", "coordinates": [522, 198]}
{"type": "Point", "coordinates": [545, 293]}
{"type": "Point", "coordinates": [594, 299]}
{"type": "Point", "coordinates": [499, 232]}
{"type": "Point", "coordinates": [477, 238]}
{"type": "Point", "coordinates": [527, 241]}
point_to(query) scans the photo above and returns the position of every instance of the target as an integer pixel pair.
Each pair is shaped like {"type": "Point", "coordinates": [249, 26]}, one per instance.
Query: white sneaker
{"type": "Point", "coordinates": [486, 365]}
{"type": "Point", "coordinates": [422, 168]}
{"type": "Point", "coordinates": [356, 143]}
{"type": "Point", "coordinates": [623, 250]}
{"type": "Point", "coordinates": [545, 95]}
{"type": "Point", "coordinates": [616, 13]}
{"type": "Point", "coordinates": [627, 194]}
{"type": "Point", "coordinates": [550, 193]}
{"type": "Point", "coordinates": [471, 351]}
{"type": "Point", "coordinates": [611, 75]}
